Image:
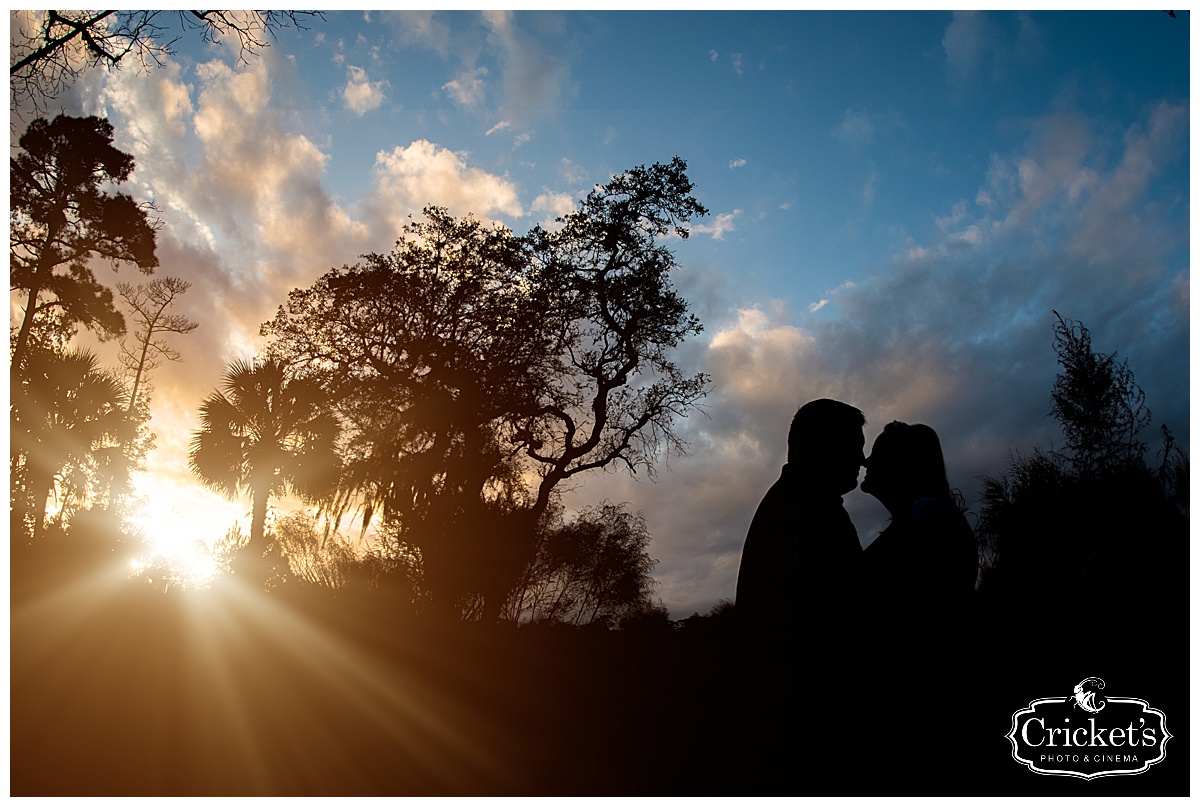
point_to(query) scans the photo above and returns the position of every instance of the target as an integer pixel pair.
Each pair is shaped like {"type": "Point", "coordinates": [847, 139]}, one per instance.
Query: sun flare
{"type": "Point", "coordinates": [180, 526]}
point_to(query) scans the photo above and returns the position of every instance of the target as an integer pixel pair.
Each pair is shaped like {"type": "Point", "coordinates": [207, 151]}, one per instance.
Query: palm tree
{"type": "Point", "coordinates": [65, 411]}
{"type": "Point", "coordinates": [265, 433]}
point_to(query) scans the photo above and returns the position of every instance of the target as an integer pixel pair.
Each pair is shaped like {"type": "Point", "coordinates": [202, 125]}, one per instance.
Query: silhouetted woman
{"type": "Point", "coordinates": [920, 578]}
{"type": "Point", "coordinates": [921, 570]}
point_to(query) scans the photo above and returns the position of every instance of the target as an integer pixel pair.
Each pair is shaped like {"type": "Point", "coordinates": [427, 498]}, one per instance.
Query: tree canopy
{"type": "Point", "coordinates": [67, 418]}
{"type": "Point", "coordinates": [62, 219]}
{"type": "Point", "coordinates": [475, 370]}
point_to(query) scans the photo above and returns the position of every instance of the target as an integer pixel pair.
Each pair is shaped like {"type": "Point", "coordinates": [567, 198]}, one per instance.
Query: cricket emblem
{"type": "Point", "coordinates": [1087, 695]}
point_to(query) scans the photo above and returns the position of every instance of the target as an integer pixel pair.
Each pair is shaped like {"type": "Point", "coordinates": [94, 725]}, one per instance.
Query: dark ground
{"type": "Point", "coordinates": [120, 691]}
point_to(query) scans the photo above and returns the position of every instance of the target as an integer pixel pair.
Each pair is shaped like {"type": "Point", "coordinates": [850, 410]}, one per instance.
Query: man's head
{"type": "Point", "coordinates": [825, 444]}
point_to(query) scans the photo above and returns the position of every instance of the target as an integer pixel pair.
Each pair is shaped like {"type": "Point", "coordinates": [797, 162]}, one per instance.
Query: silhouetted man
{"type": "Point", "coordinates": [801, 562]}
{"type": "Point", "coordinates": [798, 595]}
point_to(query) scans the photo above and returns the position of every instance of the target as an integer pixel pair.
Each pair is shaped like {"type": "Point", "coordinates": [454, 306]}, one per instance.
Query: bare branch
{"type": "Point", "coordinates": [50, 50]}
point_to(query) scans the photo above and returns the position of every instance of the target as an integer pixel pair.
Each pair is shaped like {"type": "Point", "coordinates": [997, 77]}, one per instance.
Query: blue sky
{"type": "Point", "coordinates": [897, 202]}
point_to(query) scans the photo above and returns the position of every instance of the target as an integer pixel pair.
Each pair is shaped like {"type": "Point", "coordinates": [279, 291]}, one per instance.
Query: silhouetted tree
{"type": "Point", "coordinates": [267, 433]}
{"type": "Point", "coordinates": [594, 568]}
{"type": "Point", "coordinates": [476, 371]}
{"type": "Point", "coordinates": [1096, 401]}
{"type": "Point", "coordinates": [1095, 518]}
{"type": "Point", "coordinates": [148, 304]}
{"type": "Point", "coordinates": [619, 318]}
{"type": "Point", "coordinates": [49, 50]}
{"type": "Point", "coordinates": [67, 419]}
{"type": "Point", "coordinates": [427, 350]}
{"type": "Point", "coordinates": [62, 219]}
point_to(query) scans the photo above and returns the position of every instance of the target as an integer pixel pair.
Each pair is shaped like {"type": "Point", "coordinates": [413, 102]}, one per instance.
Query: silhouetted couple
{"type": "Point", "coordinates": [828, 631]}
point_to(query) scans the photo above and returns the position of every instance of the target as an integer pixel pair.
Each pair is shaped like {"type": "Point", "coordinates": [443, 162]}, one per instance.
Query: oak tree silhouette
{"type": "Point", "coordinates": [475, 371]}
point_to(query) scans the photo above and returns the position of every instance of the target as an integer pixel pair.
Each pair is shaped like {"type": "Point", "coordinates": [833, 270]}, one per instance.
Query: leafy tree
{"type": "Point", "coordinates": [67, 422]}
{"type": "Point", "coordinates": [477, 371]}
{"type": "Point", "coordinates": [61, 219]}
{"type": "Point", "coordinates": [426, 350]}
{"type": "Point", "coordinates": [267, 433]}
{"type": "Point", "coordinates": [49, 50]}
{"type": "Point", "coordinates": [592, 569]}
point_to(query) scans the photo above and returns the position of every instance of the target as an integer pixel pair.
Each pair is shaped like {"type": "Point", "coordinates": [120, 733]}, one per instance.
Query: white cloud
{"type": "Point", "coordinates": [468, 89]}
{"type": "Point", "coordinates": [408, 178]}
{"type": "Point", "coordinates": [361, 95]}
{"type": "Point", "coordinates": [571, 172]}
{"type": "Point", "coordinates": [499, 127]}
{"type": "Point", "coordinates": [553, 205]}
{"type": "Point", "coordinates": [713, 56]}
{"type": "Point", "coordinates": [738, 163]}
{"type": "Point", "coordinates": [721, 225]}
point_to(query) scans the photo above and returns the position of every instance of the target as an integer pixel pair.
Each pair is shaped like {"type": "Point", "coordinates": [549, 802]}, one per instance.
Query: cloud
{"type": "Point", "coordinates": [859, 127]}
{"type": "Point", "coordinates": [572, 172]}
{"type": "Point", "coordinates": [738, 163]}
{"type": "Point", "coordinates": [976, 48]}
{"type": "Point", "coordinates": [361, 95]}
{"type": "Point", "coordinates": [499, 127]}
{"type": "Point", "coordinates": [425, 28]}
{"type": "Point", "coordinates": [855, 129]}
{"type": "Point", "coordinates": [468, 89]}
{"type": "Point", "coordinates": [245, 214]}
{"type": "Point", "coordinates": [553, 205]}
{"type": "Point", "coordinates": [721, 225]}
{"type": "Point", "coordinates": [408, 178]}
{"type": "Point", "coordinates": [963, 42]}
{"type": "Point", "coordinates": [534, 76]}
{"type": "Point", "coordinates": [868, 191]}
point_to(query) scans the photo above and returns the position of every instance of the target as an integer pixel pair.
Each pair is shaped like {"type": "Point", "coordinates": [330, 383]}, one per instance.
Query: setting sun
{"type": "Point", "coordinates": [180, 527]}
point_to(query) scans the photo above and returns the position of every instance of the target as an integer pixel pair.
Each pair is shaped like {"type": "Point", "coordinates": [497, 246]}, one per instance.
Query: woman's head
{"type": "Point", "coordinates": [906, 464]}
